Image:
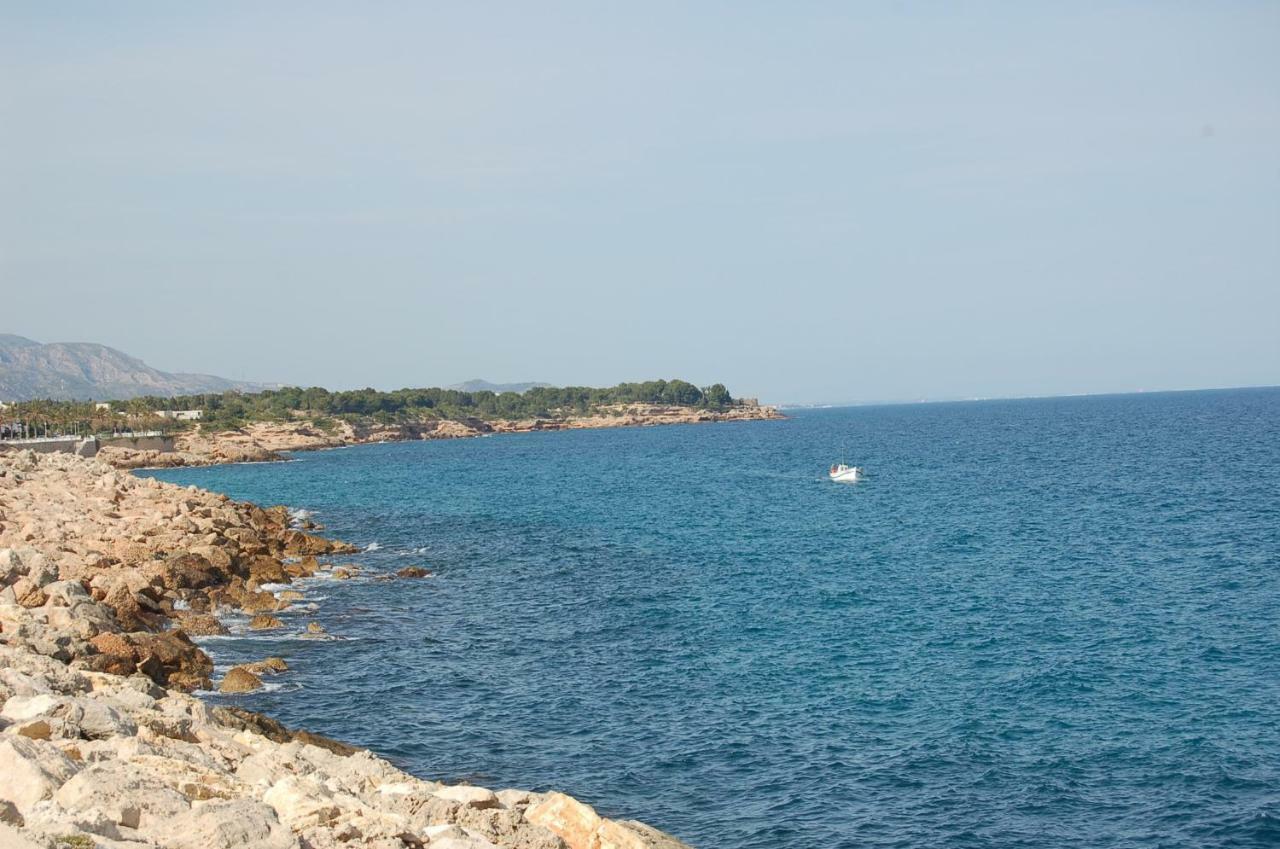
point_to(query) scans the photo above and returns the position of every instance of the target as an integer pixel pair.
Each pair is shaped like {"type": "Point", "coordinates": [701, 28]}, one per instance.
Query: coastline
{"type": "Point", "coordinates": [265, 442]}
{"type": "Point", "coordinates": [103, 578]}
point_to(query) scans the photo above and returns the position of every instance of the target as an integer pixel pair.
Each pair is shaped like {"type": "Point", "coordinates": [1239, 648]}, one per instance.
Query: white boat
{"type": "Point", "coordinates": [840, 473]}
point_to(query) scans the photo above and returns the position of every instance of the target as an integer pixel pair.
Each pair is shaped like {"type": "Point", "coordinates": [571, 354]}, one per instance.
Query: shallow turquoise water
{"type": "Point", "coordinates": [1044, 623]}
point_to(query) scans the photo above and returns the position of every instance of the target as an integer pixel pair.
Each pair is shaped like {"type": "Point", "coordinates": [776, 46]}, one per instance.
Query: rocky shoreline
{"type": "Point", "coordinates": [103, 577]}
{"type": "Point", "coordinates": [261, 442]}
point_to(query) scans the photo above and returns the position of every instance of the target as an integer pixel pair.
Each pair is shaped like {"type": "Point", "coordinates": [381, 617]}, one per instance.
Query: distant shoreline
{"type": "Point", "coordinates": [265, 442]}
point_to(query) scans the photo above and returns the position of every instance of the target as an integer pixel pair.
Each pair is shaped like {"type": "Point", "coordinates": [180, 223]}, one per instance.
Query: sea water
{"type": "Point", "coordinates": [1040, 623]}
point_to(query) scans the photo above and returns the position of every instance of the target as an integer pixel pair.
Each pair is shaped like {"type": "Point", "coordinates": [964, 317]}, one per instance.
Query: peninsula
{"type": "Point", "coordinates": [233, 427]}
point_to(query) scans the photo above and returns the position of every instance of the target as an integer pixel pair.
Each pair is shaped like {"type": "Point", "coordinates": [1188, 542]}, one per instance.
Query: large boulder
{"type": "Point", "coordinates": [239, 680]}
{"type": "Point", "coordinates": [218, 824]}
{"type": "Point", "coordinates": [31, 770]}
{"type": "Point", "coordinates": [189, 571]}
{"type": "Point", "coordinates": [128, 795]}
{"type": "Point", "coordinates": [170, 658]}
{"type": "Point", "coordinates": [580, 827]}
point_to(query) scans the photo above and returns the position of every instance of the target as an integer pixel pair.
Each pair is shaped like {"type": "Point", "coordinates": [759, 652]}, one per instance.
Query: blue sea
{"type": "Point", "coordinates": [1036, 623]}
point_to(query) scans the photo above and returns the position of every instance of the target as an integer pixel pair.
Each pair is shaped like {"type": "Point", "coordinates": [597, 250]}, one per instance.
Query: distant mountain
{"type": "Point", "coordinates": [479, 385]}
{"type": "Point", "coordinates": [83, 370]}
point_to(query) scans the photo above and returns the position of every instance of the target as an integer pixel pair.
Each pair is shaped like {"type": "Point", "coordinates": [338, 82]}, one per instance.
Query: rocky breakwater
{"type": "Point", "coordinates": [102, 575]}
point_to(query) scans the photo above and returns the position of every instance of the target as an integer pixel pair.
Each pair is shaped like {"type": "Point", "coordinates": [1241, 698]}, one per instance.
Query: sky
{"type": "Point", "coordinates": [810, 202]}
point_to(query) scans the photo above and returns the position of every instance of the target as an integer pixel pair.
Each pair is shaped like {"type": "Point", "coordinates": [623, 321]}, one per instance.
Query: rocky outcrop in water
{"type": "Point", "coordinates": [102, 745]}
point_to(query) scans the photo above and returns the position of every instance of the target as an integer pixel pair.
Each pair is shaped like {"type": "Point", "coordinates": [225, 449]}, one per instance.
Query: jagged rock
{"type": "Point", "coordinates": [265, 569]}
{"type": "Point", "coordinates": [239, 680]}
{"type": "Point", "coordinates": [267, 666]}
{"type": "Point", "coordinates": [190, 571]}
{"type": "Point", "coordinates": [264, 622]}
{"type": "Point", "coordinates": [201, 625]}
{"type": "Point", "coordinates": [413, 572]}
{"type": "Point", "coordinates": [169, 659]}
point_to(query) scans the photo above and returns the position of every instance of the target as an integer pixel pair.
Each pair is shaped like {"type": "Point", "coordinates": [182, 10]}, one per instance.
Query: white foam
{"type": "Point", "coordinates": [373, 546]}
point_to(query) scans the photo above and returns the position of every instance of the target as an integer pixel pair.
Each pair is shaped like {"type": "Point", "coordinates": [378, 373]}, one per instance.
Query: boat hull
{"type": "Point", "coordinates": [846, 476]}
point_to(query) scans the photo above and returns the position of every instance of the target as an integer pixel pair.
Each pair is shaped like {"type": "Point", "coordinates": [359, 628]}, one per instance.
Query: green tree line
{"type": "Point", "coordinates": [233, 409]}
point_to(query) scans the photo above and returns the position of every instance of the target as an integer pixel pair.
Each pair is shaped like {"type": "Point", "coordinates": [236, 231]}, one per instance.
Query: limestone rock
{"type": "Point", "coordinates": [233, 824]}
{"type": "Point", "coordinates": [264, 622]}
{"type": "Point", "coordinates": [31, 770]}
{"type": "Point", "coordinates": [473, 797]}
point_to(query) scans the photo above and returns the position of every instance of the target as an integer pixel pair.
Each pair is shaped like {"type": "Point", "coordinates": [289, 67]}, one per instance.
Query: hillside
{"type": "Point", "coordinates": [84, 370]}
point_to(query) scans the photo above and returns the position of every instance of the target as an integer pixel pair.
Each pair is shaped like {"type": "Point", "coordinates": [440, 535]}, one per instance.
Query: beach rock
{"type": "Point", "coordinates": [267, 570]}
{"type": "Point", "coordinates": [169, 659]}
{"type": "Point", "coordinates": [129, 795]}
{"type": "Point", "coordinates": [264, 622]}
{"type": "Point", "coordinates": [201, 625]}
{"type": "Point", "coordinates": [413, 572]}
{"type": "Point", "coordinates": [12, 838]}
{"type": "Point", "coordinates": [31, 770]}
{"type": "Point", "coordinates": [129, 613]}
{"type": "Point", "coordinates": [190, 571]}
{"type": "Point", "coordinates": [247, 720]}
{"type": "Point", "coordinates": [580, 827]}
{"type": "Point", "coordinates": [267, 666]}
{"type": "Point", "coordinates": [239, 680]}
{"type": "Point", "coordinates": [472, 797]}
{"type": "Point", "coordinates": [232, 824]}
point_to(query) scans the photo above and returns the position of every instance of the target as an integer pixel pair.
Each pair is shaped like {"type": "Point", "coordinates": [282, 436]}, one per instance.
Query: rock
{"type": "Point", "coordinates": [11, 838]}
{"type": "Point", "coordinates": [316, 628]}
{"type": "Point", "coordinates": [10, 814]}
{"type": "Point", "coordinates": [239, 680]}
{"type": "Point", "coordinates": [301, 803]}
{"type": "Point", "coordinates": [129, 795]}
{"type": "Point", "coordinates": [28, 594]}
{"type": "Point", "coordinates": [264, 622]}
{"type": "Point", "coordinates": [472, 797]}
{"type": "Point", "coordinates": [247, 720]}
{"type": "Point", "coordinates": [128, 611]}
{"type": "Point", "coordinates": [169, 659]}
{"type": "Point", "coordinates": [235, 824]}
{"type": "Point", "coordinates": [580, 827]}
{"type": "Point", "coordinates": [202, 625]}
{"type": "Point", "coordinates": [269, 666]}
{"type": "Point", "coordinates": [31, 770]}
{"type": "Point", "coordinates": [290, 596]}
{"type": "Point", "coordinates": [36, 729]}
{"type": "Point", "coordinates": [413, 572]}
{"type": "Point", "coordinates": [190, 571]}
{"type": "Point", "coordinates": [267, 570]}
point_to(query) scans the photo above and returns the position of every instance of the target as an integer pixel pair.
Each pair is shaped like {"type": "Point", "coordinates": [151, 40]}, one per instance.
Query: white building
{"type": "Point", "coordinates": [181, 415]}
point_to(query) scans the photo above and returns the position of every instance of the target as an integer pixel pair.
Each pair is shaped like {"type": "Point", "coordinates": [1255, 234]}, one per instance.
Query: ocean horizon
{"type": "Point", "coordinates": [1038, 622]}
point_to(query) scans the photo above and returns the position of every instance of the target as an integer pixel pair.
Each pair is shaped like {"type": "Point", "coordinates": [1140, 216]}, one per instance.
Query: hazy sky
{"type": "Point", "coordinates": [807, 201]}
